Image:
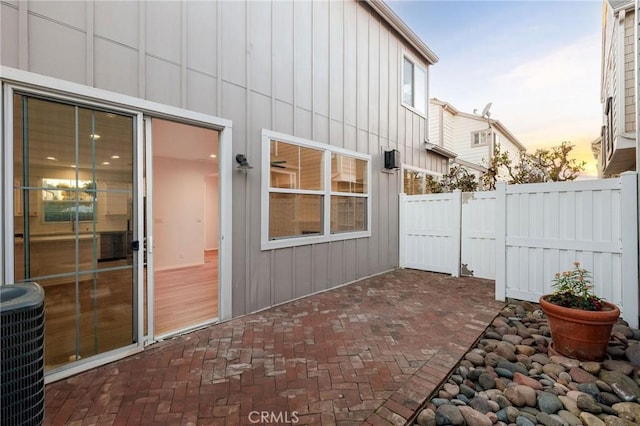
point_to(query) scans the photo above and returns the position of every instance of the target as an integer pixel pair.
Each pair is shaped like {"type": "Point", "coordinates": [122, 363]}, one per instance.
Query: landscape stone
{"type": "Point", "coordinates": [474, 418]}
{"type": "Point", "coordinates": [616, 421]}
{"type": "Point", "coordinates": [626, 382]}
{"type": "Point", "coordinates": [589, 419]}
{"type": "Point", "coordinates": [467, 391]}
{"type": "Point", "coordinates": [570, 418]}
{"type": "Point", "coordinates": [515, 397]}
{"type": "Point", "coordinates": [590, 389]}
{"type": "Point", "coordinates": [449, 414]}
{"type": "Point", "coordinates": [427, 417]}
{"type": "Point", "coordinates": [503, 372]}
{"type": "Point", "coordinates": [565, 362]}
{"type": "Point", "coordinates": [553, 369]}
{"type": "Point", "coordinates": [631, 408]}
{"type": "Point", "coordinates": [604, 387]}
{"type": "Point", "coordinates": [624, 330]}
{"type": "Point", "coordinates": [514, 339]}
{"type": "Point", "coordinates": [549, 403]}
{"type": "Point", "coordinates": [620, 366]}
{"type": "Point", "coordinates": [591, 367]}
{"type": "Point", "coordinates": [508, 414]}
{"type": "Point", "coordinates": [547, 420]}
{"type": "Point", "coordinates": [540, 358]}
{"type": "Point", "coordinates": [486, 381]}
{"type": "Point", "coordinates": [513, 378]}
{"type": "Point", "coordinates": [525, 420]}
{"type": "Point", "coordinates": [474, 358]}
{"type": "Point", "coordinates": [587, 403]}
{"type": "Point", "coordinates": [622, 392]}
{"type": "Point", "coordinates": [524, 380]}
{"type": "Point", "coordinates": [633, 354]}
{"type": "Point", "coordinates": [529, 394]}
{"type": "Point", "coordinates": [609, 398]}
{"type": "Point", "coordinates": [506, 352]}
{"type": "Point", "coordinates": [580, 376]}
{"type": "Point", "coordinates": [513, 367]}
{"type": "Point", "coordinates": [451, 389]}
{"type": "Point", "coordinates": [480, 404]}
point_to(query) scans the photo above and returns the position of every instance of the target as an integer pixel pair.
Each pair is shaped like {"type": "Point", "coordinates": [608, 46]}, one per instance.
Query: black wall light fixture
{"type": "Point", "coordinates": [392, 159]}
{"type": "Point", "coordinates": [243, 163]}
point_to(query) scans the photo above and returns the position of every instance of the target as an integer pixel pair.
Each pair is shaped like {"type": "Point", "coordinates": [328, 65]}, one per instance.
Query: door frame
{"type": "Point", "coordinates": [54, 88]}
{"type": "Point", "coordinates": [224, 312]}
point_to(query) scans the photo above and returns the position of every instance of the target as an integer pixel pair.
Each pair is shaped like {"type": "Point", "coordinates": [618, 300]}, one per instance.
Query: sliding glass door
{"type": "Point", "coordinates": [74, 210]}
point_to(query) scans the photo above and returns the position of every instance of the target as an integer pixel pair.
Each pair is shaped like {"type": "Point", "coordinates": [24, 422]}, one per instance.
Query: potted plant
{"type": "Point", "coordinates": [580, 321]}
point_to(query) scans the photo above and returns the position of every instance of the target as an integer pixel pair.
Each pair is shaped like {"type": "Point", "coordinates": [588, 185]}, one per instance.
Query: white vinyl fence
{"type": "Point", "coordinates": [521, 235]}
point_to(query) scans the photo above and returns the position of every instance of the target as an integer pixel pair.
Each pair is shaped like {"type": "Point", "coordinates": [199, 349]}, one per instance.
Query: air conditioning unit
{"type": "Point", "coordinates": [22, 350]}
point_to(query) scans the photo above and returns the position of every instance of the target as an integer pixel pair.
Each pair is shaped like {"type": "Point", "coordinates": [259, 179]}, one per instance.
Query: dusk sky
{"type": "Point", "coordinates": [538, 62]}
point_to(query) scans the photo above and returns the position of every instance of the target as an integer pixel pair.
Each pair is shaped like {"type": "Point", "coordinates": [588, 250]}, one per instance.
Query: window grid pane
{"type": "Point", "coordinates": [407, 82]}
{"type": "Point", "coordinates": [420, 90]}
{"type": "Point", "coordinates": [293, 215]}
{"type": "Point", "coordinates": [295, 167]}
{"type": "Point", "coordinates": [348, 214]}
{"type": "Point", "coordinates": [348, 174]}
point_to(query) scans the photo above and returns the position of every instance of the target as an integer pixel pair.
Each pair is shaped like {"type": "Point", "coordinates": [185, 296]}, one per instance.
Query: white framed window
{"type": "Point", "coordinates": [482, 137]}
{"type": "Point", "coordinates": [415, 181]}
{"type": "Point", "coordinates": [414, 85]}
{"type": "Point", "coordinates": [312, 192]}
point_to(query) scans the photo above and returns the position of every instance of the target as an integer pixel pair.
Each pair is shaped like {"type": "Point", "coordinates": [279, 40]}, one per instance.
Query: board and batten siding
{"type": "Point", "coordinates": [325, 71]}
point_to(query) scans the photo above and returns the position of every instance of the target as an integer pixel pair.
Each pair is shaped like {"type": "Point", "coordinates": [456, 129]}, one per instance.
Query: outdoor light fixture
{"type": "Point", "coordinates": [243, 163]}
{"type": "Point", "coordinates": [392, 159]}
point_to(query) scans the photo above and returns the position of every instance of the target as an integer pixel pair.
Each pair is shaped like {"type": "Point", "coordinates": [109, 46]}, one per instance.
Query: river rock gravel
{"type": "Point", "coordinates": [512, 378]}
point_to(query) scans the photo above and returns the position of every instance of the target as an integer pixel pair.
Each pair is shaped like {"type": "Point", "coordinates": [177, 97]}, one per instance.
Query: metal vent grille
{"type": "Point", "coordinates": [22, 350]}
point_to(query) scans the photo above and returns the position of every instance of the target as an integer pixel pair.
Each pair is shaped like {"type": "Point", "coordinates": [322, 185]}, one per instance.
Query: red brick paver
{"type": "Point", "coordinates": [367, 353]}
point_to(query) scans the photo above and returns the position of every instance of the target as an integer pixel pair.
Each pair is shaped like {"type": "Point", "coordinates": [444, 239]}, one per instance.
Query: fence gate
{"type": "Point", "coordinates": [478, 245]}
{"type": "Point", "coordinates": [430, 232]}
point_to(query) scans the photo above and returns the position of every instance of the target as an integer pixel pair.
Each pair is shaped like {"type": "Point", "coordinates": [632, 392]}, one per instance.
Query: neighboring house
{"type": "Point", "coordinates": [615, 149]}
{"type": "Point", "coordinates": [172, 164]}
{"type": "Point", "coordinates": [472, 137]}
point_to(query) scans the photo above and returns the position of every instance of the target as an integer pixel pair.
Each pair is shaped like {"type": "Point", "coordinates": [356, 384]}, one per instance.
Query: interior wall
{"type": "Point", "coordinates": [211, 218]}
{"type": "Point", "coordinates": [178, 212]}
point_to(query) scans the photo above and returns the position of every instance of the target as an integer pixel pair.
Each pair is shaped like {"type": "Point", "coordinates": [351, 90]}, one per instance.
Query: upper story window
{"type": "Point", "coordinates": [414, 85]}
{"type": "Point", "coordinates": [482, 137]}
{"type": "Point", "coordinates": [312, 192]}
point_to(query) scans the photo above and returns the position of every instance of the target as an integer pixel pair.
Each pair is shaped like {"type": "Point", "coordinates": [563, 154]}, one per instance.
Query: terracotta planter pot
{"type": "Point", "coordinates": [579, 334]}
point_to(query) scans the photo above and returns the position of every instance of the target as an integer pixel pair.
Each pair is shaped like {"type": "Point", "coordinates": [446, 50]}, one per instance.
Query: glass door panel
{"type": "Point", "coordinates": [73, 221]}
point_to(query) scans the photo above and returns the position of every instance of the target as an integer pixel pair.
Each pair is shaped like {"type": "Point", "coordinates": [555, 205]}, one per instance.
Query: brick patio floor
{"type": "Point", "coordinates": [370, 352]}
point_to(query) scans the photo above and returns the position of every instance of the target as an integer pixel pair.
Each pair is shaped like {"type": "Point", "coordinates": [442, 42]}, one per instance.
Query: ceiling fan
{"type": "Point", "coordinates": [279, 164]}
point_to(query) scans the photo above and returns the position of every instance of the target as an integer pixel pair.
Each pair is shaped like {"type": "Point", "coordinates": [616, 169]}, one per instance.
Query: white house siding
{"type": "Point", "coordinates": [461, 141]}
{"type": "Point", "coordinates": [326, 71]}
{"type": "Point", "coordinates": [629, 79]}
{"type": "Point", "coordinates": [618, 83]}
{"type": "Point", "coordinates": [610, 72]}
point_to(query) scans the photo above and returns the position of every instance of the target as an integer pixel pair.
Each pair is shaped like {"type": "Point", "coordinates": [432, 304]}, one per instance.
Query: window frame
{"type": "Point", "coordinates": [405, 167]}
{"type": "Point", "coordinates": [487, 141]}
{"type": "Point", "coordinates": [326, 192]}
{"type": "Point", "coordinates": [416, 64]}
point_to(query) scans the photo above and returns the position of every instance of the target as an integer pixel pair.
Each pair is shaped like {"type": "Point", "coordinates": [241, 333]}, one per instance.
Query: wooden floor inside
{"type": "Point", "coordinates": [186, 297]}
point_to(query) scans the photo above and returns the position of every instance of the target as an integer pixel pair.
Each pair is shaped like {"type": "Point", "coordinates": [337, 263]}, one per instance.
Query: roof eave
{"type": "Point", "coordinates": [440, 150]}
{"type": "Point", "coordinates": [386, 13]}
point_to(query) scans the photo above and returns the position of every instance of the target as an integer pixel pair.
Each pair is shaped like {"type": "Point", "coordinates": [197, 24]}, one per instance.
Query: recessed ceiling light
{"type": "Point", "coordinates": [115, 157]}
{"type": "Point", "coordinates": [212, 156]}
{"type": "Point", "coordinates": [105, 163]}
{"type": "Point", "coordinates": [95, 136]}
{"type": "Point", "coordinates": [52, 158]}
{"type": "Point", "coordinates": [72, 165]}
